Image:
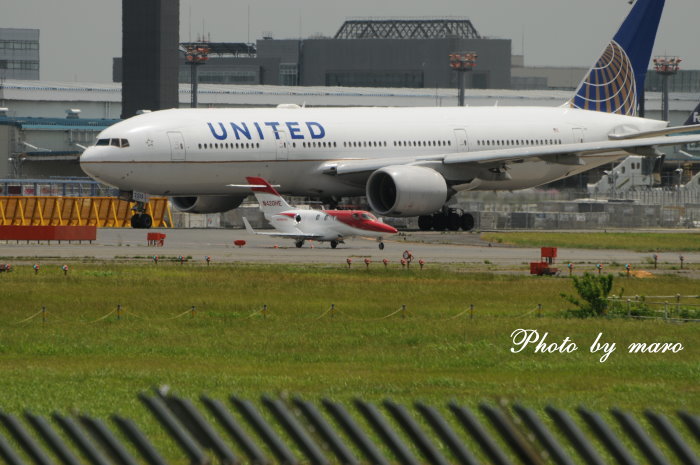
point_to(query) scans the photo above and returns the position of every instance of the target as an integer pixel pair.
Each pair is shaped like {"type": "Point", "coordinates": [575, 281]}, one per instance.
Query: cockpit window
{"type": "Point", "coordinates": [368, 216]}
{"type": "Point", "coordinates": [113, 142]}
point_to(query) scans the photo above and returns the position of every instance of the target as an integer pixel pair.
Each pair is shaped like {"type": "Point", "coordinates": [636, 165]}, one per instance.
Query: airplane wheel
{"type": "Point", "coordinates": [454, 221]}
{"type": "Point", "coordinates": [334, 244]}
{"type": "Point", "coordinates": [141, 221]}
{"type": "Point", "coordinates": [381, 246]}
{"type": "Point", "coordinates": [439, 222]}
{"type": "Point", "coordinates": [425, 222]}
{"type": "Point", "coordinates": [299, 244]}
{"type": "Point", "coordinates": [467, 222]}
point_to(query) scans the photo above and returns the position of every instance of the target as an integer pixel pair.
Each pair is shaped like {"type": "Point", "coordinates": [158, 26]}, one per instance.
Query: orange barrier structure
{"type": "Point", "coordinates": [101, 212]}
{"type": "Point", "coordinates": [48, 233]}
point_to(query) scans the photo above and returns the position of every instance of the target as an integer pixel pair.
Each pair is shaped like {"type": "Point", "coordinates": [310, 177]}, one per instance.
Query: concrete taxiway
{"type": "Point", "coordinates": [433, 247]}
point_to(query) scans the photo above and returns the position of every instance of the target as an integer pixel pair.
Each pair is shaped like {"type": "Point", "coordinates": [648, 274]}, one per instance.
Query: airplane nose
{"type": "Point", "coordinates": [389, 229]}
{"type": "Point", "coordinates": [90, 163]}
{"type": "Point", "coordinates": [86, 161]}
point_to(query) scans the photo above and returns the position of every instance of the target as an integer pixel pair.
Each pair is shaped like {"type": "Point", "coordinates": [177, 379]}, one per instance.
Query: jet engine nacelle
{"type": "Point", "coordinates": [206, 203]}
{"type": "Point", "coordinates": [401, 190]}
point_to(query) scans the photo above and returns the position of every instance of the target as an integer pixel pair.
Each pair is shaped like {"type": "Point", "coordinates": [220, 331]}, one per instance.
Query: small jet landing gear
{"type": "Point", "coordinates": [140, 219]}
{"type": "Point", "coordinates": [334, 244]}
{"type": "Point", "coordinates": [299, 244]}
{"type": "Point", "coordinates": [381, 244]}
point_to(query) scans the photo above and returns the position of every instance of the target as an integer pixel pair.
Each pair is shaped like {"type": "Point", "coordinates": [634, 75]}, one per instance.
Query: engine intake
{"type": "Point", "coordinates": [206, 203]}
{"type": "Point", "coordinates": [401, 190]}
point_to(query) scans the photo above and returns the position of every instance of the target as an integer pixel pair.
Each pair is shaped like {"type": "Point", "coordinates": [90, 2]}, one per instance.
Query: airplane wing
{"type": "Point", "coordinates": [299, 235]}
{"type": "Point", "coordinates": [628, 144]}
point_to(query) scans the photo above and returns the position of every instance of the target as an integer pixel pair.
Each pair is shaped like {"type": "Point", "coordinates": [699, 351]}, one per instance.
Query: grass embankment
{"type": "Point", "coordinates": [640, 242]}
{"type": "Point", "coordinates": [78, 360]}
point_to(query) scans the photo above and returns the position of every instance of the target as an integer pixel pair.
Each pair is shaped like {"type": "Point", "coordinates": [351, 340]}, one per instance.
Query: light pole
{"type": "Point", "coordinates": [665, 66]}
{"type": "Point", "coordinates": [196, 54]}
{"type": "Point", "coordinates": [462, 62]}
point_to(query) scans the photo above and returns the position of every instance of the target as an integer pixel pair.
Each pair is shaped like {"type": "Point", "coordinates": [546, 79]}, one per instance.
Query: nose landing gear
{"type": "Point", "coordinates": [140, 219]}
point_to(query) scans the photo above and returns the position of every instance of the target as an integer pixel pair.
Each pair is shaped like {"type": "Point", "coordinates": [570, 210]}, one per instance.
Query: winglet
{"type": "Point", "coordinates": [616, 81]}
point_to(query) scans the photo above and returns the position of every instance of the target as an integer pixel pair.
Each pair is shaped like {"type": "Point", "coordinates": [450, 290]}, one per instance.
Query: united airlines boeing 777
{"type": "Point", "coordinates": [407, 161]}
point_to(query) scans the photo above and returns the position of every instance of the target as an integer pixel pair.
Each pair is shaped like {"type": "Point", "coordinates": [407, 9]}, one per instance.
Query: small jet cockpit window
{"type": "Point", "coordinates": [115, 142]}
{"type": "Point", "coordinates": [102, 142]}
{"type": "Point", "coordinates": [125, 142]}
{"type": "Point", "coordinates": [368, 216]}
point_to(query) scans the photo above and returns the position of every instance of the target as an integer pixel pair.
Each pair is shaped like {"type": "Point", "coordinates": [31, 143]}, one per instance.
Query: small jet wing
{"type": "Point", "coordinates": [294, 235]}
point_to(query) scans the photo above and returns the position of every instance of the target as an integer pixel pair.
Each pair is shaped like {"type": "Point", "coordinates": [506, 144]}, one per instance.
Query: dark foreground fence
{"type": "Point", "coordinates": [301, 433]}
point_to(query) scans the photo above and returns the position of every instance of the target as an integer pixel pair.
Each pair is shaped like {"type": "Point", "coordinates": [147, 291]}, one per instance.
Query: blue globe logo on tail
{"type": "Point", "coordinates": [615, 84]}
{"type": "Point", "coordinates": [610, 86]}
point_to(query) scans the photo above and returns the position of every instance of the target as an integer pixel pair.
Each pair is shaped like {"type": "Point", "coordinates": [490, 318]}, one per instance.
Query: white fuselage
{"type": "Point", "coordinates": [201, 151]}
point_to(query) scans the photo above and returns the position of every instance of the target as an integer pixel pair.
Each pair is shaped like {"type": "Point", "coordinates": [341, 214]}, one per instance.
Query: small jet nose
{"type": "Point", "coordinates": [388, 228]}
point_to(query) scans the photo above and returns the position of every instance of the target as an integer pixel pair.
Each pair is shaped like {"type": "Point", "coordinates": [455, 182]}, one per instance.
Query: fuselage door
{"type": "Point", "coordinates": [461, 140]}
{"type": "Point", "coordinates": [282, 144]}
{"type": "Point", "coordinates": [578, 135]}
{"type": "Point", "coordinates": [177, 146]}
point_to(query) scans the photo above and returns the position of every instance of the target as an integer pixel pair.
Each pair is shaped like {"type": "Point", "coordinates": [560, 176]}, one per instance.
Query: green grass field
{"type": "Point", "coordinates": [82, 357]}
{"type": "Point", "coordinates": [640, 242]}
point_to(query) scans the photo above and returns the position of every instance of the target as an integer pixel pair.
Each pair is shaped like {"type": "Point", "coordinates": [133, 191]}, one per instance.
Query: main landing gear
{"type": "Point", "coordinates": [451, 219]}
{"type": "Point", "coordinates": [140, 219]}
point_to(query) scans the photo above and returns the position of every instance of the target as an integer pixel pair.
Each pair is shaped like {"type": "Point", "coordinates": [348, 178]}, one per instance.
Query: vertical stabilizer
{"type": "Point", "coordinates": [271, 202]}
{"type": "Point", "coordinates": [615, 83]}
{"type": "Point", "coordinates": [694, 117]}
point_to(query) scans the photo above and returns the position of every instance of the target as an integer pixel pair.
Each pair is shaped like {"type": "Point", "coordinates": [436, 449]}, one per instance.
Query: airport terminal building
{"type": "Point", "coordinates": [19, 53]}
{"type": "Point", "coordinates": [363, 53]}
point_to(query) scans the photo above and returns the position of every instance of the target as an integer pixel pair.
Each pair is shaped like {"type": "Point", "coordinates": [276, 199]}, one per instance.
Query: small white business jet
{"type": "Point", "coordinates": [407, 161]}
{"type": "Point", "coordinates": [319, 225]}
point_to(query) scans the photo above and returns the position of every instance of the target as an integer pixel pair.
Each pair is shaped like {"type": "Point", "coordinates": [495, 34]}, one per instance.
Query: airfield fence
{"type": "Point", "coordinates": [669, 307]}
{"type": "Point", "coordinates": [296, 431]}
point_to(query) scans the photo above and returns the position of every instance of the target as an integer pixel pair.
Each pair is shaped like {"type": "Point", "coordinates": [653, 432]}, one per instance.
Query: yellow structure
{"type": "Point", "coordinates": [103, 212]}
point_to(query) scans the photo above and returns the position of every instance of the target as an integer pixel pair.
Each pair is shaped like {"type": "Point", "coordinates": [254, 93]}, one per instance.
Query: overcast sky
{"type": "Point", "coordinates": [80, 37]}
